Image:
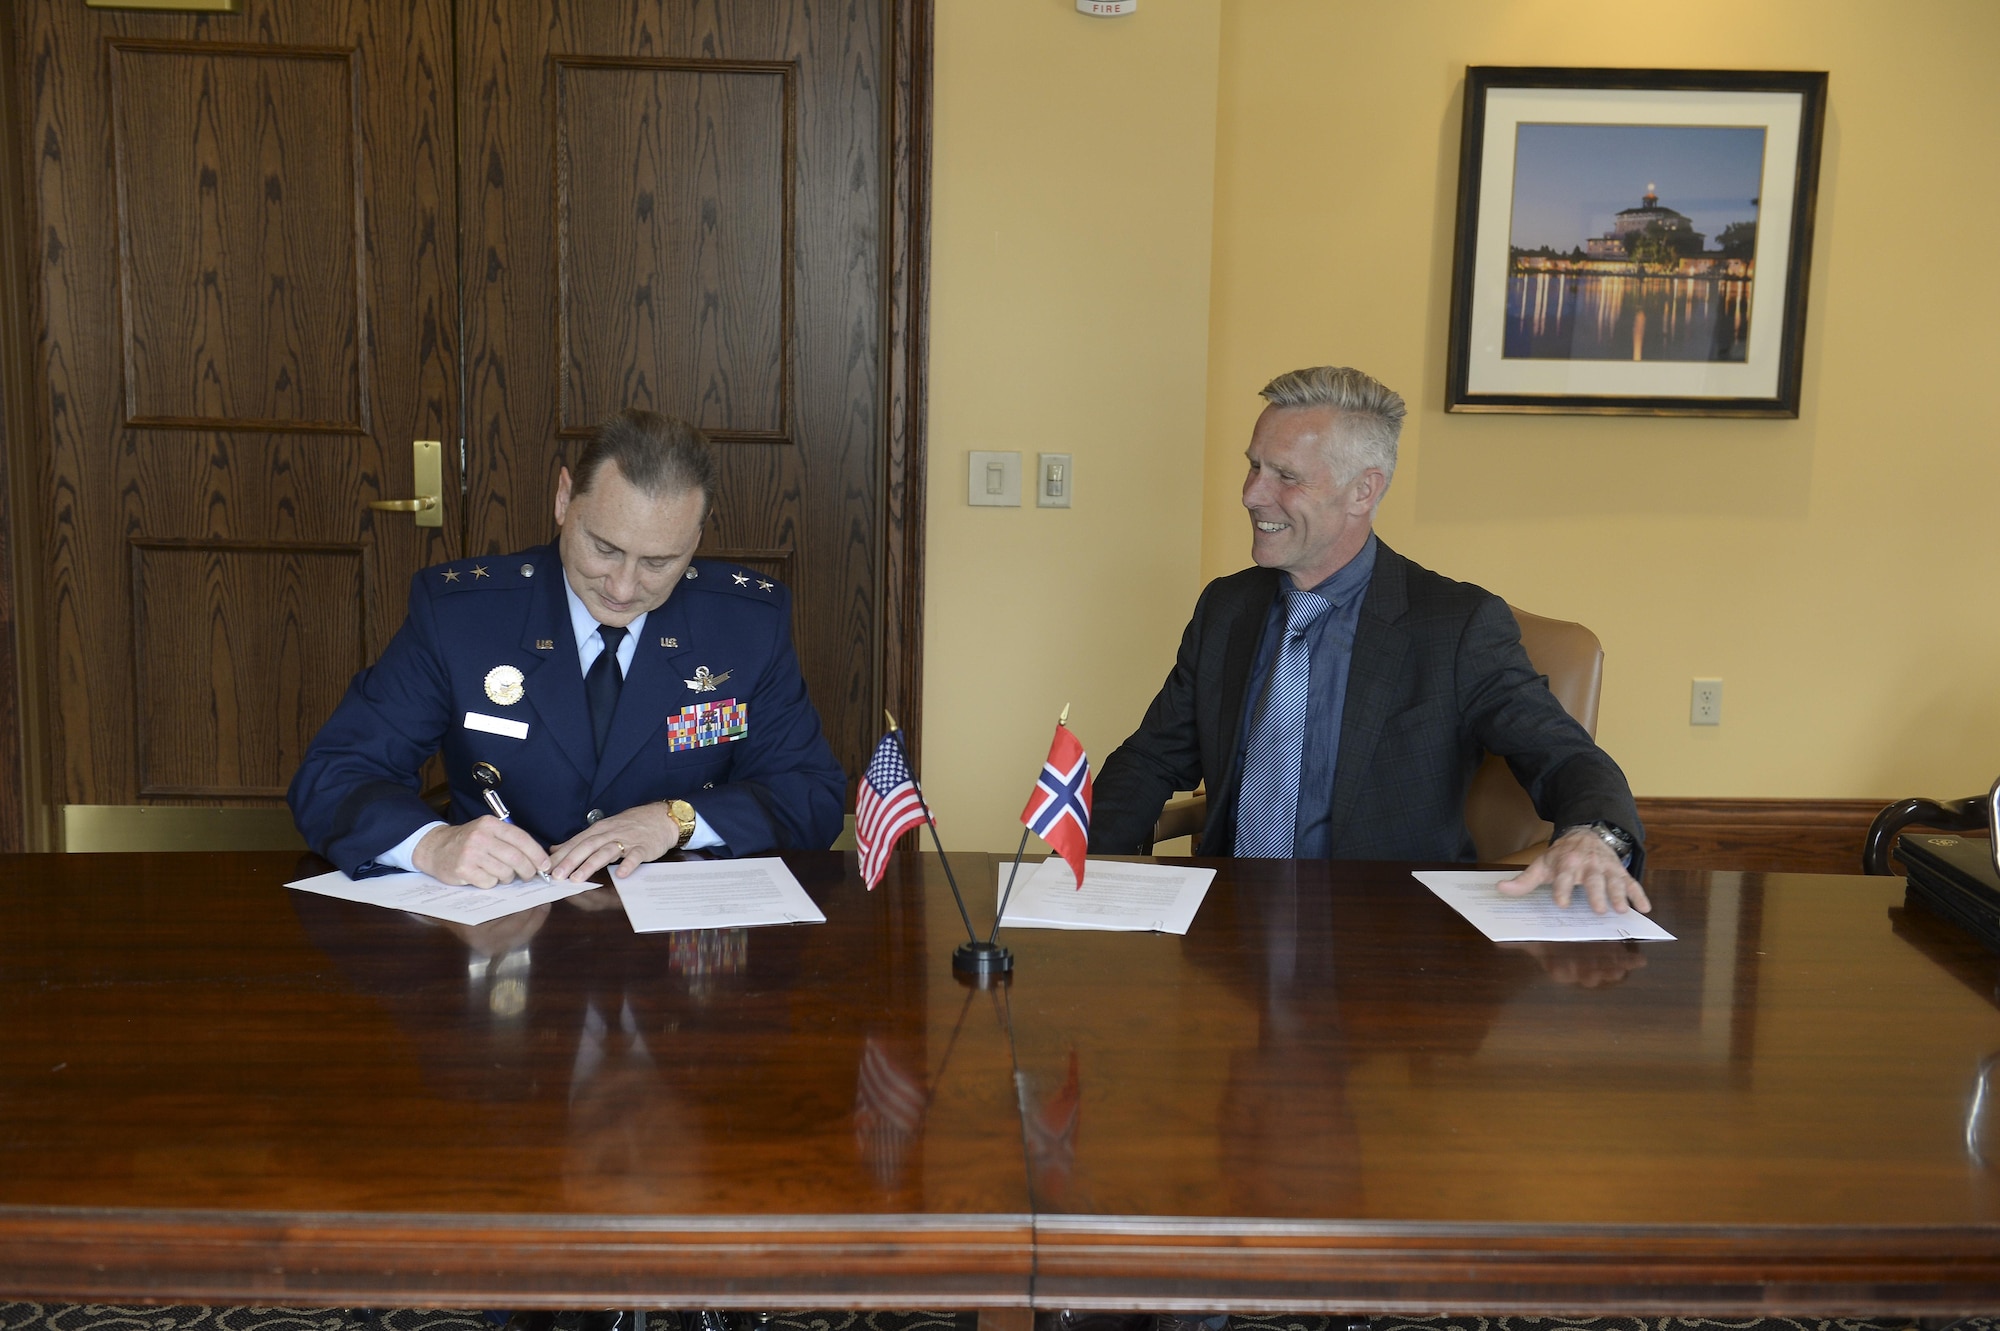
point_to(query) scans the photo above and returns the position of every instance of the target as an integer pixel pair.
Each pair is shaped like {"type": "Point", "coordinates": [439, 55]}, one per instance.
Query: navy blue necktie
{"type": "Point", "coordinates": [1267, 809]}
{"type": "Point", "coordinates": [601, 685]}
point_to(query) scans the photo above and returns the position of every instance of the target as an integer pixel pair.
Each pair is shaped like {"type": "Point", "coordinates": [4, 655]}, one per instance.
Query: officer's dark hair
{"type": "Point", "coordinates": [657, 455]}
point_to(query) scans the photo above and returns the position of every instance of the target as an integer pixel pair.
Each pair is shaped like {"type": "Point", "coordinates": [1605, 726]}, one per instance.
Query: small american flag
{"type": "Point", "coordinates": [888, 806]}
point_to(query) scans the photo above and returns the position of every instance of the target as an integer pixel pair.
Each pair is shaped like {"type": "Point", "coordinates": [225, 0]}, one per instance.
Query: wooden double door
{"type": "Point", "coordinates": [269, 250]}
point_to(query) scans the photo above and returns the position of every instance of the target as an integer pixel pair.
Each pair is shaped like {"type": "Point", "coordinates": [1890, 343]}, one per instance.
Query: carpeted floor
{"type": "Point", "coordinates": [111, 1317]}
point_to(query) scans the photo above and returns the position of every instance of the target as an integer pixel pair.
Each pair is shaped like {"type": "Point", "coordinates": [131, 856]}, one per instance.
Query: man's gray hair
{"type": "Point", "coordinates": [1370, 414]}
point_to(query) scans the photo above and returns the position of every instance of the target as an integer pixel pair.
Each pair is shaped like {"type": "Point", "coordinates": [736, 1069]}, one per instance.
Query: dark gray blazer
{"type": "Point", "coordinates": [1438, 680]}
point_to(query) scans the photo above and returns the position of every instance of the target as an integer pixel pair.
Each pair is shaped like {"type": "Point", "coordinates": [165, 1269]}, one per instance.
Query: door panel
{"type": "Point", "coordinates": [677, 300]}
{"type": "Point", "coordinates": [245, 314]}
{"type": "Point", "coordinates": [679, 206]}
{"type": "Point", "coordinates": [251, 287]}
{"type": "Point", "coordinates": [194, 638]}
{"type": "Point", "coordinates": [244, 321]}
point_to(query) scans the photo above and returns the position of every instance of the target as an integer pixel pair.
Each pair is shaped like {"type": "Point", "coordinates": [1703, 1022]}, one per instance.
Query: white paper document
{"type": "Point", "coordinates": [1160, 898]}
{"type": "Point", "coordinates": [1534, 918]}
{"type": "Point", "coordinates": [714, 894]}
{"type": "Point", "coordinates": [422, 894]}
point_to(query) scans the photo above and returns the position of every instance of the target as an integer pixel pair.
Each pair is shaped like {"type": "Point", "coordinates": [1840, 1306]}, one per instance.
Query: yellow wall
{"type": "Point", "coordinates": [1074, 173]}
{"type": "Point", "coordinates": [1787, 557]}
{"type": "Point", "coordinates": [1081, 301]}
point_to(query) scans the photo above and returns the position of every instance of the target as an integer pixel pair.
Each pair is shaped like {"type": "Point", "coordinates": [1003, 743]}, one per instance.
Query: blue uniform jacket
{"type": "Point", "coordinates": [773, 785]}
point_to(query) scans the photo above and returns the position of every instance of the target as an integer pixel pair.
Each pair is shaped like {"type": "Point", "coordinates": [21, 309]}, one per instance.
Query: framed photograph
{"type": "Point", "coordinates": [1634, 241]}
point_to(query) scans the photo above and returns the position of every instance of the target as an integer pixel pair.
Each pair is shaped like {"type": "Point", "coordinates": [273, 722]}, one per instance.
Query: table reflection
{"type": "Point", "coordinates": [661, 1072]}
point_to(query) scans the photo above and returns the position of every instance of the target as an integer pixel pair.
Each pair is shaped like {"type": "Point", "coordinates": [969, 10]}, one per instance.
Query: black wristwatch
{"type": "Point", "coordinates": [1621, 842]}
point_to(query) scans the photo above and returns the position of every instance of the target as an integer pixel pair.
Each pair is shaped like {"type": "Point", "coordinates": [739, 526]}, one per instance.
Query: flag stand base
{"type": "Point", "coordinates": [982, 959]}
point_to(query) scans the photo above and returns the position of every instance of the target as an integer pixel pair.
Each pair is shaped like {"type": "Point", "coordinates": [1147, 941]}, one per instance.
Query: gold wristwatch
{"type": "Point", "coordinates": [683, 813]}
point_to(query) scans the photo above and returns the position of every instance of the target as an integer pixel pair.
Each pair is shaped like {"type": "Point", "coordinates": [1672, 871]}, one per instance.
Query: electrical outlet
{"type": "Point", "coordinates": [1706, 709]}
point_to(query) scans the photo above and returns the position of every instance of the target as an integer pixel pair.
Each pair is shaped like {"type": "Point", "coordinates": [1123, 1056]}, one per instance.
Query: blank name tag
{"type": "Point", "coordinates": [496, 725]}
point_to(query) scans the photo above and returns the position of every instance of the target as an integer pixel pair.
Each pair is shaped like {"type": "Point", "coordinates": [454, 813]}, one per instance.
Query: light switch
{"type": "Point", "coordinates": [993, 480]}
{"type": "Point", "coordinates": [1053, 481]}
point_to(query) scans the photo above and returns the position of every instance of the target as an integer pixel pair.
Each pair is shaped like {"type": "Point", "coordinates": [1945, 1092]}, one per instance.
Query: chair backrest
{"type": "Point", "coordinates": [1499, 814]}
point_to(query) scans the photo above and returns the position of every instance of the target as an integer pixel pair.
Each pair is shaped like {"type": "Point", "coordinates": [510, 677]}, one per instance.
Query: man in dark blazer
{"type": "Point", "coordinates": [632, 699]}
{"type": "Point", "coordinates": [1337, 698]}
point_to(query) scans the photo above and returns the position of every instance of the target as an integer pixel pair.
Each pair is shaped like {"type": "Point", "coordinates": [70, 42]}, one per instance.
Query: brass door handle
{"type": "Point", "coordinates": [427, 471]}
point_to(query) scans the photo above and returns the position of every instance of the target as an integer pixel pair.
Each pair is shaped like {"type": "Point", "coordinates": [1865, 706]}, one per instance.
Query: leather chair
{"type": "Point", "coordinates": [1974, 813]}
{"type": "Point", "coordinates": [1502, 819]}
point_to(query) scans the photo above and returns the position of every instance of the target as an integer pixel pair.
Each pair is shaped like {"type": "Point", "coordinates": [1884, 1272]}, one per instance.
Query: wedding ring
{"type": "Point", "coordinates": [621, 847]}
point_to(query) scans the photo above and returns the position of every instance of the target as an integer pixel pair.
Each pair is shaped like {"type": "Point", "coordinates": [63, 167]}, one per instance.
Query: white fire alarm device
{"type": "Point", "coordinates": [1107, 8]}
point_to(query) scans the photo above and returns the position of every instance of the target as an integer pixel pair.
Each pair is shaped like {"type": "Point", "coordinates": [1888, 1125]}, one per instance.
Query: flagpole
{"type": "Point", "coordinates": [1018, 852]}
{"type": "Point", "coordinates": [971, 934]}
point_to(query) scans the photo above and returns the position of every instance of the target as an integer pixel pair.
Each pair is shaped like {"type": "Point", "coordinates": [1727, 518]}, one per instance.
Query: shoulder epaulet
{"type": "Point", "coordinates": [482, 571]}
{"type": "Point", "coordinates": [714, 575]}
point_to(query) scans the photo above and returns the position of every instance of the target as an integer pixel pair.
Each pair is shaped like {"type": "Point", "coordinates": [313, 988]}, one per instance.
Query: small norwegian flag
{"type": "Point", "coordinates": [1059, 810]}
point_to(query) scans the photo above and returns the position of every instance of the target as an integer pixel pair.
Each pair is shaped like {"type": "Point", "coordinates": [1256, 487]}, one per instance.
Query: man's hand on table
{"type": "Point", "coordinates": [482, 853]}
{"type": "Point", "coordinates": [1580, 858]}
{"type": "Point", "coordinates": [631, 838]}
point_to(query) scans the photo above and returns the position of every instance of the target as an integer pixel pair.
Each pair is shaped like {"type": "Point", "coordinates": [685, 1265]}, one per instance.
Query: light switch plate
{"type": "Point", "coordinates": [993, 480]}
{"type": "Point", "coordinates": [1053, 480]}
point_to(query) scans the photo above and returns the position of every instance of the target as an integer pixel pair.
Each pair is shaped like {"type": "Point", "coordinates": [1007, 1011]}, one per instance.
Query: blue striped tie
{"type": "Point", "coordinates": [1267, 810]}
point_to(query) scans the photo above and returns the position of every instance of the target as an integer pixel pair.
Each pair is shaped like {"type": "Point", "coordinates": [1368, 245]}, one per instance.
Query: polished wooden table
{"type": "Point", "coordinates": [1331, 1094]}
{"type": "Point", "coordinates": [212, 1088]}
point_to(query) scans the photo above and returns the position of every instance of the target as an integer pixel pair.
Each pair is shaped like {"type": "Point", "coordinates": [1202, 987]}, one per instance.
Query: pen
{"type": "Point", "coordinates": [499, 807]}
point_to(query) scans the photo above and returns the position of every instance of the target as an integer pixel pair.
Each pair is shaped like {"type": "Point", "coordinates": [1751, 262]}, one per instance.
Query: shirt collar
{"type": "Point", "coordinates": [583, 624]}
{"type": "Point", "coordinates": [1346, 582]}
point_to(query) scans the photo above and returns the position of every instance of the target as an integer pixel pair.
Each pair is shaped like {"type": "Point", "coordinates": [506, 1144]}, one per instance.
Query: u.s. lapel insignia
{"type": "Point", "coordinates": [670, 642]}
{"type": "Point", "coordinates": [504, 685]}
{"type": "Point", "coordinates": [545, 644]}
{"type": "Point", "coordinates": [703, 682]}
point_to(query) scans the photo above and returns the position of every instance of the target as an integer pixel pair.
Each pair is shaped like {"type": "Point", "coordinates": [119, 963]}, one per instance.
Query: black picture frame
{"type": "Point", "coordinates": [1497, 367]}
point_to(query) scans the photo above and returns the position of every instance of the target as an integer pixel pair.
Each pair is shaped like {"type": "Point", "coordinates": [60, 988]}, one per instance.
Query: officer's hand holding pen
{"type": "Point", "coordinates": [499, 807]}
{"type": "Point", "coordinates": [482, 853]}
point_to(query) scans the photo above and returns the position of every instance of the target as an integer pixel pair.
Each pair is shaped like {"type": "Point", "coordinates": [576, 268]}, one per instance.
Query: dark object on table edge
{"type": "Point", "coordinates": [1971, 814]}
{"type": "Point", "coordinates": [1954, 878]}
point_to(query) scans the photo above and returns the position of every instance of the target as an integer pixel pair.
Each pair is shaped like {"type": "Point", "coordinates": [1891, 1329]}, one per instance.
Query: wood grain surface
{"type": "Point", "coordinates": [905, 465]}
{"type": "Point", "coordinates": [681, 207]}
{"type": "Point", "coordinates": [1332, 1094]}
{"type": "Point", "coordinates": [1772, 1110]}
{"type": "Point", "coordinates": [215, 1087]}
{"type": "Point", "coordinates": [1768, 835]}
{"type": "Point", "coordinates": [310, 638]}
{"type": "Point", "coordinates": [246, 306]}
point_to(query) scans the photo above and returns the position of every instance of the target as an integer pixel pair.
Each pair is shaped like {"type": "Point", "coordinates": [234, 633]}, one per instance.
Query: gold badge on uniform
{"type": "Point", "coordinates": [504, 685]}
{"type": "Point", "coordinates": [703, 682]}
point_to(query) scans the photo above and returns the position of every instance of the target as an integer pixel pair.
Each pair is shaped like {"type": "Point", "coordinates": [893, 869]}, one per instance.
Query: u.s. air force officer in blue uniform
{"type": "Point", "coordinates": [631, 699]}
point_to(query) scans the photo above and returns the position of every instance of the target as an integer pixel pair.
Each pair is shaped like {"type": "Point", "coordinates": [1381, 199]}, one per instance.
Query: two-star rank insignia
{"type": "Point", "coordinates": [764, 586]}
{"type": "Point", "coordinates": [479, 571]}
{"type": "Point", "coordinates": [742, 579]}
{"type": "Point", "coordinates": [451, 575]}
